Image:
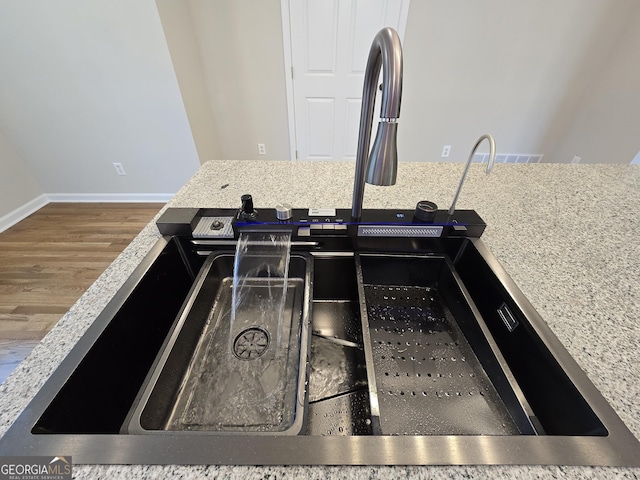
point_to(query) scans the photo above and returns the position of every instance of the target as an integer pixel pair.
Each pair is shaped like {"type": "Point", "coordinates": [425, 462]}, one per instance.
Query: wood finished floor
{"type": "Point", "coordinates": [49, 259]}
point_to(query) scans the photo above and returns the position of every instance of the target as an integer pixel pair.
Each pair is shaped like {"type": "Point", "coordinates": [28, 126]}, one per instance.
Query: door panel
{"type": "Point", "coordinates": [320, 37]}
{"type": "Point", "coordinates": [330, 43]}
{"type": "Point", "coordinates": [319, 116]}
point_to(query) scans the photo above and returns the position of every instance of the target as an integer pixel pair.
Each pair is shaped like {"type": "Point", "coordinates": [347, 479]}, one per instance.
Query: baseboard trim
{"type": "Point", "coordinates": [20, 213]}
{"type": "Point", "coordinates": [110, 197]}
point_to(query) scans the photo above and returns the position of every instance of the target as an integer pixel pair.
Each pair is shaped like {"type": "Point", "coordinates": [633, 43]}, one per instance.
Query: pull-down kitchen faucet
{"type": "Point", "coordinates": [379, 167]}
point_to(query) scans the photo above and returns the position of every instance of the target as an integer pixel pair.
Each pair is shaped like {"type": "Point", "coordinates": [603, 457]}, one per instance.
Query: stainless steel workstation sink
{"type": "Point", "coordinates": [414, 348]}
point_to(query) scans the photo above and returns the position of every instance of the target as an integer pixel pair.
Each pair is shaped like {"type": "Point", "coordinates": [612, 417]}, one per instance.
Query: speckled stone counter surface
{"type": "Point", "coordinates": [567, 234]}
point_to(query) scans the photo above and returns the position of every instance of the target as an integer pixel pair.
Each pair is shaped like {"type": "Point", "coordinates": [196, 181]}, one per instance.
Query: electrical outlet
{"type": "Point", "coordinates": [446, 150]}
{"type": "Point", "coordinates": [261, 149]}
{"type": "Point", "coordinates": [576, 159]}
{"type": "Point", "coordinates": [119, 168]}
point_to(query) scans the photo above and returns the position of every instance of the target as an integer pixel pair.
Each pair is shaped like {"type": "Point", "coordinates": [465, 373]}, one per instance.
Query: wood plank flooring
{"type": "Point", "coordinates": [49, 259]}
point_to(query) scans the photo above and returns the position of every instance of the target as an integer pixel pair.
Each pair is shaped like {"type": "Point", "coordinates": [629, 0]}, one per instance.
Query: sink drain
{"type": "Point", "coordinates": [251, 343]}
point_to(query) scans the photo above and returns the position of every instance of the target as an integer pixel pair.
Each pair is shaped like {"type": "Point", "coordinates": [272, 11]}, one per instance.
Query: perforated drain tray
{"type": "Point", "coordinates": [431, 369]}
{"type": "Point", "coordinates": [205, 382]}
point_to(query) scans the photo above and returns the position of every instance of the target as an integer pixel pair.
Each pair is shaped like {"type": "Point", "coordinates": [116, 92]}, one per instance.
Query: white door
{"type": "Point", "coordinates": [330, 42]}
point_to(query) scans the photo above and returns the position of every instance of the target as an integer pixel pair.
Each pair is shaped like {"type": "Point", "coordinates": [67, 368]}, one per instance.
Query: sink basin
{"type": "Point", "coordinates": [432, 370]}
{"type": "Point", "coordinates": [338, 395]}
{"type": "Point", "coordinates": [420, 351]}
{"type": "Point", "coordinates": [199, 384]}
{"type": "Point", "coordinates": [442, 365]}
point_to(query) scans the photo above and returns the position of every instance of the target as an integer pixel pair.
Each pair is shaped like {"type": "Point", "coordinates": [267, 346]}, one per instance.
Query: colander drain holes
{"type": "Point", "coordinates": [251, 343]}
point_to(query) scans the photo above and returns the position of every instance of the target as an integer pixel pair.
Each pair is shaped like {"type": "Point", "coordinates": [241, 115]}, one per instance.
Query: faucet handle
{"type": "Point", "coordinates": [426, 211]}
{"type": "Point", "coordinates": [246, 210]}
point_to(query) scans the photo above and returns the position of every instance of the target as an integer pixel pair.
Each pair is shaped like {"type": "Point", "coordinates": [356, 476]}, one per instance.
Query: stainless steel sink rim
{"type": "Point", "coordinates": [618, 448]}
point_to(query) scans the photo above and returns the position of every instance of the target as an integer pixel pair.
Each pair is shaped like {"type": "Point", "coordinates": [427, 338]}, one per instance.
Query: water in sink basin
{"type": "Point", "coordinates": [240, 378]}
{"type": "Point", "coordinates": [223, 391]}
{"type": "Point", "coordinates": [257, 313]}
{"type": "Point", "coordinates": [215, 377]}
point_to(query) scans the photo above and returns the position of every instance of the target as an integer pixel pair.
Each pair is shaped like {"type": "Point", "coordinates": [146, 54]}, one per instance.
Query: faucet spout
{"type": "Point", "coordinates": [492, 156]}
{"type": "Point", "coordinates": [379, 167]}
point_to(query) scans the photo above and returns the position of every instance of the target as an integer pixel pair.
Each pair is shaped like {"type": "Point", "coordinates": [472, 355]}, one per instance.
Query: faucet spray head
{"type": "Point", "coordinates": [382, 166]}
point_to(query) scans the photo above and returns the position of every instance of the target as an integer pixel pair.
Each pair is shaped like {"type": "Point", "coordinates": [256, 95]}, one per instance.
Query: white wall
{"type": "Point", "coordinates": [516, 70]}
{"type": "Point", "coordinates": [179, 30]}
{"type": "Point", "coordinates": [85, 84]}
{"type": "Point", "coordinates": [242, 64]}
{"type": "Point", "coordinates": [605, 124]}
{"type": "Point", "coordinates": [241, 48]}
{"type": "Point", "coordinates": [523, 71]}
{"type": "Point", "coordinates": [18, 186]}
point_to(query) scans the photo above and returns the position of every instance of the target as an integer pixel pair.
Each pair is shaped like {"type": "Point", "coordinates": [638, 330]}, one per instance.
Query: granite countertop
{"type": "Point", "coordinates": [567, 235]}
